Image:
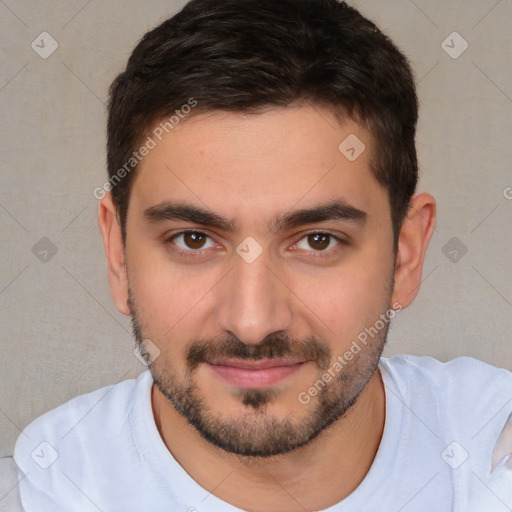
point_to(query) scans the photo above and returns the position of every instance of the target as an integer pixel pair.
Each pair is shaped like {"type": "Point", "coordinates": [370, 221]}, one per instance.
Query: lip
{"type": "Point", "coordinates": [259, 374]}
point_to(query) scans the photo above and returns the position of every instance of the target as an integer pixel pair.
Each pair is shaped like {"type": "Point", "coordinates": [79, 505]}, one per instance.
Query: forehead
{"type": "Point", "coordinates": [263, 163]}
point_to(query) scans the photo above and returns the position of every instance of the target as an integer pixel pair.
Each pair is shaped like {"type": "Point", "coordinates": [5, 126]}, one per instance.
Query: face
{"type": "Point", "coordinates": [256, 254]}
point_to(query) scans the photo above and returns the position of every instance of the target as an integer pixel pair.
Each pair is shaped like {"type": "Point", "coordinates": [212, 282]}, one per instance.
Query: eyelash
{"type": "Point", "coordinates": [191, 253]}
{"type": "Point", "coordinates": [200, 253]}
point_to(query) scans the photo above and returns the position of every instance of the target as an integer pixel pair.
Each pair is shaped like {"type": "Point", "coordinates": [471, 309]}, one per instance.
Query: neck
{"type": "Point", "coordinates": [314, 477]}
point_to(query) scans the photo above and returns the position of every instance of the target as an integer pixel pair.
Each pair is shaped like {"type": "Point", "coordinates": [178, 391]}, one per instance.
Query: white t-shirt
{"type": "Point", "coordinates": [102, 451]}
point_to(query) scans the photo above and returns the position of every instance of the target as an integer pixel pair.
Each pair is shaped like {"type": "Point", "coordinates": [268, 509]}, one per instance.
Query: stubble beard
{"type": "Point", "coordinates": [255, 432]}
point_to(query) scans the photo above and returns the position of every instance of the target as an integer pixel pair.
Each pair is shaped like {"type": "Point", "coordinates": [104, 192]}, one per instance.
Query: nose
{"type": "Point", "coordinates": [254, 302]}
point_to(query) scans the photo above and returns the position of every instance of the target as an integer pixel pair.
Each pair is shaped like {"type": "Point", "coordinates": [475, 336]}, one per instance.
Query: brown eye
{"type": "Point", "coordinates": [194, 240]}
{"type": "Point", "coordinates": [319, 241]}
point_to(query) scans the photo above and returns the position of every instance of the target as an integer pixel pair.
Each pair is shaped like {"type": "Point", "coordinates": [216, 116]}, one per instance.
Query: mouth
{"type": "Point", "coordinates": [260, 374]}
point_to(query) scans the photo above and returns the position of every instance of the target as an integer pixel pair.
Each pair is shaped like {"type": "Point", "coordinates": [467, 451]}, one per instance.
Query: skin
{"type": "Point", "coordinates": [250, 169]}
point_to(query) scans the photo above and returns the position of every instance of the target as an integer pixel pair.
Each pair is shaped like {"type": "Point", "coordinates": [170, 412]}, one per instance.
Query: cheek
{"type": "Point", "coordinates": [167, 301]}
{"type": "Point", "coordinates": [348, 299]}
{"type": "Point", "coordinates": [168, 298]}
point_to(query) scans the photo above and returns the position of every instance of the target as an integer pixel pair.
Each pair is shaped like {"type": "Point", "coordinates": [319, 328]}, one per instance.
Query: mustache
{"type": "Point", "coordinates": [275, 346]}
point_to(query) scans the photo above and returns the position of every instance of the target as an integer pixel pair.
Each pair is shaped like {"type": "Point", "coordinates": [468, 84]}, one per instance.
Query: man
{"type": "Point", "coordinates": [262, 231]}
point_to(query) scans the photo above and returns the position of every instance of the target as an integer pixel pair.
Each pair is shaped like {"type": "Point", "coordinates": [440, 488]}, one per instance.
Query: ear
{"type": "Point", "coordinates": [114, 249]}
{"type": "Point", "coordinates": [415, 235]}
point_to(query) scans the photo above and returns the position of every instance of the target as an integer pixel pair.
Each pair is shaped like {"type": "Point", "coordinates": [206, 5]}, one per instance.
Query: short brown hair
{"type": "Point", "coordinates": [246, 55]}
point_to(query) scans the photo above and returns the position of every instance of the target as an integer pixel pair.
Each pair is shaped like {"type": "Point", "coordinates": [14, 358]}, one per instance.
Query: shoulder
{"type": "Point", "coordinates": [463, 385]}
{"type": "Point", "coordinates": [464, 394]}
{"type": "Point", "coordinates": [463, 399]}
{"type": "Point", "coordinates": [81, 431]}
{"type": "Point", "coordinates": [110, 402]}
{"type": "Point", "coordinates": [459, 375]}
{"type": "Point", "coordinates": [456, 417]}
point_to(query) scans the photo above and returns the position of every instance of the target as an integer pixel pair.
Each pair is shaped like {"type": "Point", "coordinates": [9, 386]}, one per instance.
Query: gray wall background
{"type": "Point", "coordinates": [61, 335]}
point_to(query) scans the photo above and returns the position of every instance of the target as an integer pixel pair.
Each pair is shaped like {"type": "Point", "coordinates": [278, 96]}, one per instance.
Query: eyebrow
{"type": "Point", "coordinates": [333, 210]}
